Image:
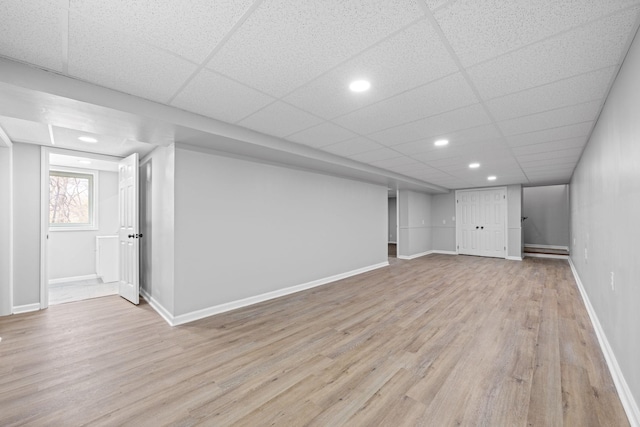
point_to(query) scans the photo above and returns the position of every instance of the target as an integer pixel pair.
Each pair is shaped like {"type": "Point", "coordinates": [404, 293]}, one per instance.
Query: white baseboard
{"type": "Point", "coordinates": [628, 402]}
{"type": "Point", "coordinates": [415, 255]}
{"type": "Point", "coordinates": [534, 255]}
{"type": "Point", "coordinates": [531, 245]}
{"type": "Point", "coordinates": [395, 243]}
{"type": "Point", "coordinates": [72, 279]}
{"type": "Point", "coordinates": [221, 308]}
{"type": "Point", "coordinates": [435, 251]}
{"type": "Point", "coordinates": [513, 258]}
{"type": "Point", "coordinates": [25, 308]}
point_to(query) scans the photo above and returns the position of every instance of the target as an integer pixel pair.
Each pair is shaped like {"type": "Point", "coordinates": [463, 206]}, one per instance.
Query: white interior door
{"type": "Point", "coordinates": [492, 223]}
{"type": "Point", "coordinates": [467, 212]}
{"type": "Point", "coordinates": [128, 232]}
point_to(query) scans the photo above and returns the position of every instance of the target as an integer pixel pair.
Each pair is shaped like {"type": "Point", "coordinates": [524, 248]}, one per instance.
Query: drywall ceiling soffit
{"type": "Point", "coordinates": [518, 73]}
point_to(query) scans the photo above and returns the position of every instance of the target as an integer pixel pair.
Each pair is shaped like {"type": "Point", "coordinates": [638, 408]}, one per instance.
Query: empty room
{"type": "Point", "coordinates": [323, 213]}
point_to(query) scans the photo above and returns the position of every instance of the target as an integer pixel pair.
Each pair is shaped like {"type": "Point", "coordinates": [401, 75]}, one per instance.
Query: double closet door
{"type": "Point", "coordinates": [481, 222]}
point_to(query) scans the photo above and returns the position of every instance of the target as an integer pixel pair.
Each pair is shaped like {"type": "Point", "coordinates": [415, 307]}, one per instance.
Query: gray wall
{"type": "Point", "coordinates": [547, 212]}
{"type": "Point", "coordinates": [6, 230]}
{"type": "Point", "coordinates": [157, 225]}
{"type": "Point", "coordinates": [73, 253]}
{"type": "Point", "coordinates": [244, 228]}
{"type": "Point", "coordinates": [443, 225]}
{"type": "Point", "coordinates": [26, 222]}
{"type": "Point", "coordinates": [605, 230]}
{"type": "Point", "coordinates": [393, 220]}
{"type": "Point", "coordinates": [515, 235]}
{"type": "Point", "coordinates": [414, 223]}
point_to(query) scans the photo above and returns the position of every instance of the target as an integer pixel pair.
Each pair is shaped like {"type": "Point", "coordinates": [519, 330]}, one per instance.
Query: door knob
{"type": "Point", "coordinates": [477, 227]}
{"type": "Point", "coordinates": [482, 228]}
{"type": "Point", "coordinates": [131, 236]}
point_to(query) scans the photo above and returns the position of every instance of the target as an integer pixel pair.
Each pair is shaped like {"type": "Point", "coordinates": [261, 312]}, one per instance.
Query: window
{"type": "Point", "coordinates": [72, 200]}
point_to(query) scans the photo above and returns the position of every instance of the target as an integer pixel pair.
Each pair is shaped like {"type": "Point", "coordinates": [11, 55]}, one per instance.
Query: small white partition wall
{"type": "Point", "coordinates": [481, 228]}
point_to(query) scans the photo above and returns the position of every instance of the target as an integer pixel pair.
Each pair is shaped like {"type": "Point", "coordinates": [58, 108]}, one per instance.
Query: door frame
{"type": "Point", "coordinates": [506, 216]}
{"type": "Point", "coordinates": [44, 210]}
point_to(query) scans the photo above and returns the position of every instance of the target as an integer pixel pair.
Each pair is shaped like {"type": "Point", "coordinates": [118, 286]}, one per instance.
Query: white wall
{"type": "Point", "coordinates": [157, 226]}
{"type": "Point", "coordinates": [6, 229]}
{"type": "Point", "coordinates": [73, 253]}
{"type": "Point", "coordinates": [26, 222]}
{"type": "Point", "coordinates": [414, 223]}
{"type": "Point", "coordinates": [393, 220]}
{"type": "Point", "coordinates": [515, 235]}
{"type": "Point", "coordinates": [605, 229]}
{"type": "Point", "coordinates": [243, 228]}
{"type": "Point", "coordinates": [547, 212]}
{"type": "Point", "coordinates": [443, 225]}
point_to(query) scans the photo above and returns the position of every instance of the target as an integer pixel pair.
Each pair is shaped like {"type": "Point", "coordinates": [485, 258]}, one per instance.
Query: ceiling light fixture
{"type": "Point", "coordinates": [441, 142]}
{"type": "Point", "coordinates": [88, 139]}
{"type": "Point", "coordinates": [492, 178]}
{"type": "Point", "coordinates": [474, 165]}
{"type": "Point", "coordinates": [359, 86]}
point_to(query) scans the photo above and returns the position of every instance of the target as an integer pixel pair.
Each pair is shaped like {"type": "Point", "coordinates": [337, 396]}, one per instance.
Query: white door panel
{"type": "Point", "coordinates": [128, 232]}
{"type": "Point", "coordinates": [481, 222]}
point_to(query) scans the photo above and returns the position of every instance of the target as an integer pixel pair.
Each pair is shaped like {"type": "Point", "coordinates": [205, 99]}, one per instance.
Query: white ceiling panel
{"type": "Point", "coordinates": [196, 27]}
{"type": "Point", "coordinates": [19, 130]}
{"type": "Point", "coordinates": [280, 119]}
{"type": "Point", "coordinates": [440, 126]}
{"type": "Point", "coordinates": [32, 31]}
{"type": "Point", "coordinates": [574, 90]}
{"type": "Point", "coordinates": [408, 59]}
{"type": "Point", "coordinates": [550, 147]}
{"type": "Point", "coordinates": [571, 153]}
{"type": "Point", "coordinates": [353, 146]}
{"type": "Point", "coordinates": [488, 135]}
{"type": "Point", "coordinates": [449, 93]}
{"type": "Point", "coordinates": [483, 29]}
{"type": "Point", "coordinates": [284, 44]}
{"type": "Point", "coordinates": [322, 135]}
{"type": "Point", "coordinates": [551, 119]}
{"type": "Point", "coordinates": [111, 59]}
{"type": "Point", "coordinates": [553, 134]}
{"type": "Point", "coordinates": [588, 48]}
{"type": "Point", "coordinates": [549, 162]}
{"type": "Point", "coordinates": [376, 155]}
{"type": "Point", "coordinates": [213, 95]}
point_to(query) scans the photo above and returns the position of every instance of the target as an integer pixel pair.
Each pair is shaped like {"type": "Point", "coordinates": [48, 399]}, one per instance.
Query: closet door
{"type": "Point", "coordinates": [468, 214]}
{"type": "Point", "coordinates": [492, 223]}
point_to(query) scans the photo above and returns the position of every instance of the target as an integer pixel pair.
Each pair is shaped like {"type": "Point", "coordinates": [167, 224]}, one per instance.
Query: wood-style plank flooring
{"type": "Point", "coordinates": [436, 341]}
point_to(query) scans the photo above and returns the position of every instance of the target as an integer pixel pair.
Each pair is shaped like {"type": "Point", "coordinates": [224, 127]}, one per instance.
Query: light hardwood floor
{"type": "Point", "coordinates": [436, 341]}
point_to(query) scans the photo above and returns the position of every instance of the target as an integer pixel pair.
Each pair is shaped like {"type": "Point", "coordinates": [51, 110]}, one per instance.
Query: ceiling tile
{"type": "Point", "coordinates": [574, 90]}
{"type": "Point", "coordinates": [284, 44]}
{"type": "Point", "coordinates": [19, 130]}
{"type": "Point", "coordinates": [279, 119]}
{"type": "Point", "coordinates": [195, 30]}
{"type": "Point", "coordinates": [554, 134]}
{"type": "Point", "coordinates": [31, 31]}
{"type": "Point", "coordinates": [568, 153]}
{"type": "Point", "coordinates": [550, 162]}
{"type": "Point", "coordinates": [487, 135]}
{"type": "Point", "coordinates": [588, 48]}
{"type": "Point", "coordinates": [115, 61]}
{"type": "Point", "coordinates": [552, 146]}
{"type": "Point", "coordinates": [449, 93]}
{"type": "Point", "coordinates": [213, 95]}
{"type": "Point", "coordinates": [483, 29]}
{"type": "Point", "coordinates": [551, 119]}
{"type": "Point", "coordinates": [322, 135]}
{"type": "Point", "coordinates": [376, 155]}
{"type": "Point", "coordinates": [406, 60]}
{"type": "Point", "coordinates": [353, 146]}
{"type": "Point", "coordinates": [440, 126]}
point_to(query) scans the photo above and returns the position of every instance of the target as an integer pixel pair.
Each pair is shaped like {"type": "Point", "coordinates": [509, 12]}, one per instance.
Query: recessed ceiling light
{"type": "Point", "coordinates": [441, 142]}
{"type": "Point", "coordinates": [87, 139]}
{"type": "Point", "coordinates": [85, 162]}
{"type": "Point", "coordinates": [474, 165]}
{"type": "Point", "coordinates": [359, 86]}
{"type": "Point", "coordinates": [491, 178]}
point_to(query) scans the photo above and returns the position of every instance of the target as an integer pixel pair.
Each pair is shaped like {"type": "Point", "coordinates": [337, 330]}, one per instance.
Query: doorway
{"type": "Point", "coordinates": [81, 247]}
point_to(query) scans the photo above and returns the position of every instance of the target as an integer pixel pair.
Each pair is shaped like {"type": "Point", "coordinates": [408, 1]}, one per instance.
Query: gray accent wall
{"type": "Point", "coordinates": [605, 225]}
{"type": "Point", "coordinates": [443, 225]}
{"type": "Point", "coordinates": [6, 229]}
{"type": "Point", "coordinates": [547, 212]}
{"type": "Point", "coordinates": [414, 223]}
{"type": "Point", "coordinates": [393, 220]}
{"type": "Point", "coordinates": [26, 224]}
{"type": "Point", "coordinates": [244, 228]}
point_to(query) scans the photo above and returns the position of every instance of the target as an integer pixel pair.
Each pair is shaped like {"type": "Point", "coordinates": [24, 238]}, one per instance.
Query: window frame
{"type": "Point", "coordinates": [93, 199]}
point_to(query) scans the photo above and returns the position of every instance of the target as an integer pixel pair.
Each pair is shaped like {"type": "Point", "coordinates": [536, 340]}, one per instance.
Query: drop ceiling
{"type": "Point", "coordinates": [513, 85]}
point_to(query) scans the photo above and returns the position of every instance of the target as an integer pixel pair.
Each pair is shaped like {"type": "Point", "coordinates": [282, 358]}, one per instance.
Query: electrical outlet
{"type": "Point", "coordinates": [613, 285]}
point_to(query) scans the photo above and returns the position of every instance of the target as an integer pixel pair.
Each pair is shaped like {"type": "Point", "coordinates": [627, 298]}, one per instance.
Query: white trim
{"type": "Point", "coordinates": [72, 279]}
{"type": "Point", "coordinates": [5, 141]}
{"type": "Point", "coordinates": [513, 258]}
{"type": "Point", "coordinates": [159, 308]}
{"type": "Point", "coordinates": [221, 308]}
{"type": "Point", "coordinates": [18, 309]}
{"type": "Point", "coordinates": [444, 252]}
{"type": "Point", "coordinates": [561, 248]}
{"type": "Point", "coordinates": [626, 397]}
{"type": "Point", "coordinates": [395, 243]}
{"type": "Point", "coordinates": [44, 227]}
{"type": "Point", "coordinates": [535, 255]}
{"type": "Point", "coordinates": [414, 256]}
